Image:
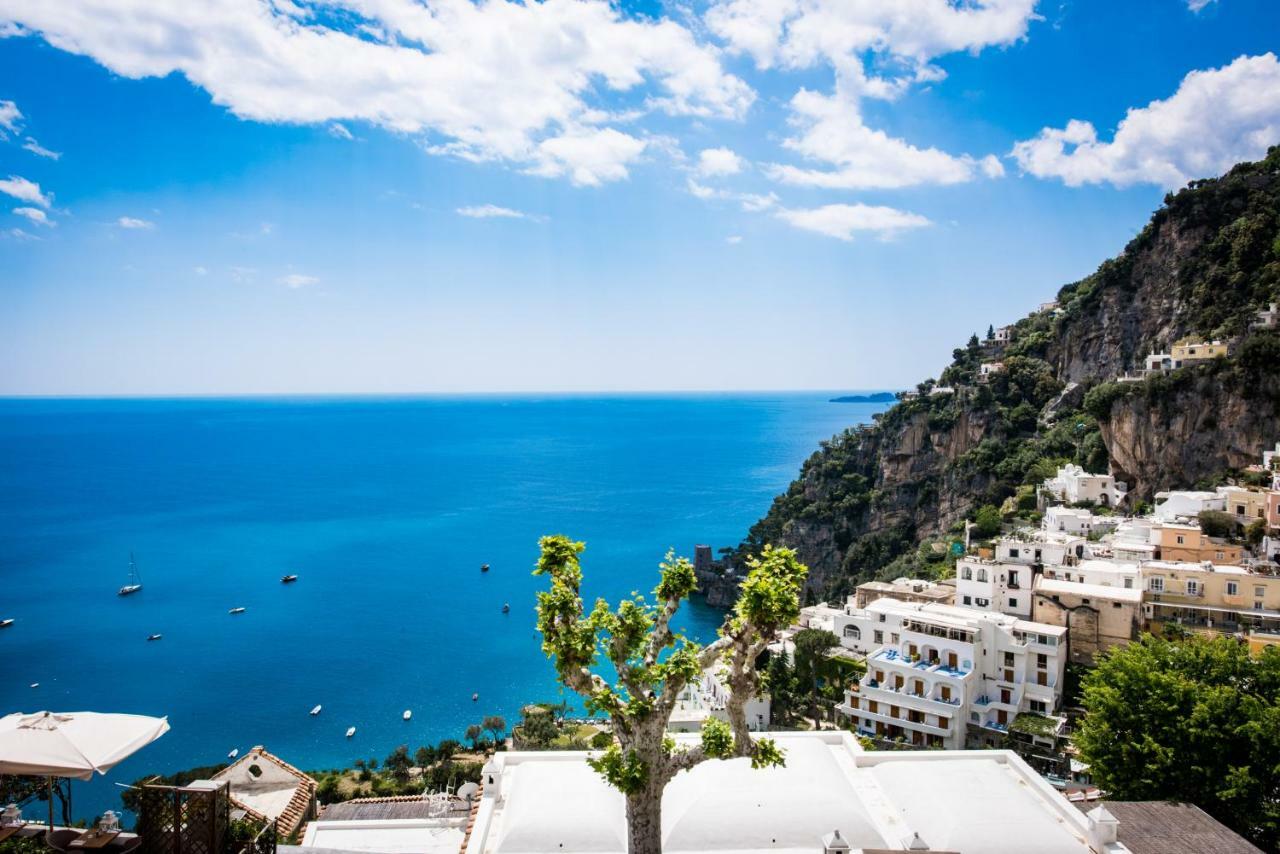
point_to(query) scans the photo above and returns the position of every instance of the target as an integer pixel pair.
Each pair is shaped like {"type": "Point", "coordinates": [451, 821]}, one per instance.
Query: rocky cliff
{"type": "Point", "coordinates": [869, 500]}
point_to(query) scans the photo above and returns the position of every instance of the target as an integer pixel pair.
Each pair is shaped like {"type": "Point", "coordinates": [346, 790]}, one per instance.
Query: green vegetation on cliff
{"type": "Point", "coordinates": [874, 500]}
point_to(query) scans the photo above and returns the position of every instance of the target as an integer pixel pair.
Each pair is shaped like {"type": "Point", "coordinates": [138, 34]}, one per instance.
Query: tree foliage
{"type": "Point", "coordinates": [1189, 719]}
{"type": "Point", "coordinates": [652, 663]}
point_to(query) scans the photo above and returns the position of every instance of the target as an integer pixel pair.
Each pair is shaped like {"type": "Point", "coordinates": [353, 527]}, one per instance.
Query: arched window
{"type": "Point", "coordinates": [982, 575]}
{"type": "Point", "coordinates": [968, 574]}
{"type": "Point", "coordinates": [853, 632]}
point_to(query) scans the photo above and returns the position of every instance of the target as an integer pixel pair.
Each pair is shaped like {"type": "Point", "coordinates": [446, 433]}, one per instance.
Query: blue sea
{"type": "Point", "coordinates": [385, 508]}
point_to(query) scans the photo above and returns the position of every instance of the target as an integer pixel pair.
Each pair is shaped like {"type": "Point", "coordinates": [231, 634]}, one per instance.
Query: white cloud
{"type": "Point", "coordinates": [36, 148]}
{"type": "Point", "coordinates": [36, 215]}
{"type": "Point", "coordinates": [877, 50]}
{"type": "Point", "coordinates": [134, 223]}
{"type": "Point", "coordinates": [1197, 5]}
{"type": "Point", "coordinates": [24, 191]}
{"type": "Point", "coordinates": [1214, 120]}
{"type": "Point", "coordinates": [338, 130]}
{"type": "Point", "coordinates": [297, 280]}
{"type": "Point", "coordinates": [733, 239]}
{"type": "Point", "coordinates": [499, 80]}
{"type": "Point", "coordinates": [491, 212]}
{"type": "Point", "coordinates": [588, 156]}
{"type": "Point", "coordinates": [713, 162]}
{"type": "Point", "coordinates": [844, 221]}
{"type": "Point", "coordinates": [10, 119]}
{"type": "Point", "coordinates": [750, 202]}
{"type": "Point", "coordinates": [18, 234]}
{"type": "Point", "coordinates": [243, 274]}
{"type": "Point", "coordinates": [200, 271]}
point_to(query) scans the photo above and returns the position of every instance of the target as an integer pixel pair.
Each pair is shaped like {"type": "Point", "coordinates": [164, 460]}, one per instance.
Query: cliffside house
{"type": "Point", "coordinates": [1003, 335]}
{"type": "Point", "coordinates": [906, 590]}
{"type": "Point", "coordinates": [1246, 504]}
{"type": "Point", "coordinates": [1097, 616]}
{"type": "Point", "coordinates": [266, 788]}
{"type": "Point", "coordinates": [1211, 598]}
{"type": "Point", "coordinates": [1268, 318]}
{"type": "Point", "coordinates": [946, 676]}
{"type": "Point", "coordinates": [987, 369]}
{"type": "Point", "coordinates": [708, 698]}
{"type": "Point", "coordinates": [992, 585]}
{"type": "Point", "coordinates": [1190, 351]}
{"type": "Point", "coordinates": [1186, 504]}
{"type": "Point", "coordinates": [1185, 542]}
{"type": "Point", "coordinates": [1073, 485]}
{"type": "Point", "coordinates": [1076, 520]}
{"type": "Point", "coordinates": [831, 797]}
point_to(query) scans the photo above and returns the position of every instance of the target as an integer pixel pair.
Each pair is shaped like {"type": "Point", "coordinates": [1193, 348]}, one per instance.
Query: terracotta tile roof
{"type": "Point", "coordinates": [471, 819]}
{"type": "Point", "coordinates": [296, 812]}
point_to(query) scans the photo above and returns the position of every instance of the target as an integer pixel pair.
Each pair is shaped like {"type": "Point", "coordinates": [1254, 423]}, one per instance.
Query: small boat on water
{"type": "Point", "coordinates": [506, 608]}
{"type": "Point", "coordinates": [407, 714]}
{"type": "Point", "coordinates": [484, 567]}
{"type": "Point", "coordinates": [4, 624]}
{"type": "Point", "coordinates": [236, 611]}
{"type": "Point", "coordinates": [316, 710]}
{"type": "Point", "coordinates": [288, 579]}
{"type": "Point", "coordinates": [351, 731]}
{"type": "Point", "coordinates": [154, 637]}
{"type": "Point", "coordinates": [475, 697]}
{"type": "Point", "coordinates": [135, 580]}
{"type": "Point", "coordinates": [235, 751]}
{"type": "Point", "coordinates": [35, 684]}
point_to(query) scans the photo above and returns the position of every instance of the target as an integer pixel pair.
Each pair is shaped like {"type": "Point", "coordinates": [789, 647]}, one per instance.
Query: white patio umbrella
{"type": "Point", "coordinates": [72, 744]}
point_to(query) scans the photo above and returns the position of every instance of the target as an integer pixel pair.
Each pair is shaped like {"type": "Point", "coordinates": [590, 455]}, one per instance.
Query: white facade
{"type": "Point", "coordinates": [1076, 520]}
{"type": "Point", "coordinates": [1050, 548]}
{"type": "Point", "coordinates": [1072, 484]}
{"type": "Point", "coordinates": [992, 585]}
{"type": "Point", "coordinates": [1101, 573]}
{"type": "Point", "coordinates": [986, 369]}
{"type": "Point", "coordinates": [1003, 335]}
{"type": "Point", "coordinates": [987, 801]}
{"type": "Point", "coordinates": [935, 670]}
{"type": "Point", "coordinates": [708, 698]}
{"type": "Point", "coordinates": [1186, 504]}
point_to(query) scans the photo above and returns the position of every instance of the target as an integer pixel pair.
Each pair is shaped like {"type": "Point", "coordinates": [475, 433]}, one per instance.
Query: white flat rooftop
{"type": "Point", "coordinates": [1075, 588]}
{"type": "Point", "coordinates": [389, 836]}
{"type": "Point", "coordinates": [969, 801]}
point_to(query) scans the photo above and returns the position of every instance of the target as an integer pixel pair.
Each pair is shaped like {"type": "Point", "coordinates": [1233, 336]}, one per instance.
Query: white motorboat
{"type": "Point", "coordinates": [4, 624]}
{"type": "Point", "coordinates": [407, 714]}
{"type": "Point", "coordinates": [316, 710]}
{"type": "Point", "coordinates": [154, 637]}
{"type": "Point", "coordinates": [235, 751]}
{"type": "Point", "coordinates": [351, 731]}
{"type": "Point", "coordinates": [236, 611]}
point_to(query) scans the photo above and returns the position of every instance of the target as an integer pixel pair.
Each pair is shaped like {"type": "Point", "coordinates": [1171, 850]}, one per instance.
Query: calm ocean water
{"type": "Point", "coordinates": [385, 508]}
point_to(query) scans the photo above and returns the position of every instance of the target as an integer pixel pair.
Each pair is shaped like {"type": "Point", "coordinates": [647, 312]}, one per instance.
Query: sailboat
{"type": "Point", "coordinates": [135, 580]}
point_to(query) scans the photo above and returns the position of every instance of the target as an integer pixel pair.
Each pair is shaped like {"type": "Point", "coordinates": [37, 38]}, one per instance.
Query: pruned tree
{"type": "Point", "coordinates": [653, 664]}
{"type": "Point", "coordinates": [496, 726]}
{"type": "Point", "coordinates": [473, 734]}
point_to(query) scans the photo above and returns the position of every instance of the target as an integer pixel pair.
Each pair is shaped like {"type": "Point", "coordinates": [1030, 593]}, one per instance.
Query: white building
{"type": "Point", "coordinates": [986, 369]}
{"type": "Point", "coordinates": [940, 674]}
{"type": "Point", "coordinates": [1102, 573]}
{"type": "Point", "coordinates": [1003, 335]}
{"type": "Point", "coordinates": [993, 585]}
{"type": "Point", "coordinates": [708, 698]}
{"type": "Point", "coordinates": [1185, 504]}
{"type": "Point", "coordinates": [1073, 484]}
{"type": "Point", "coordinates": [1076, 520]}
{"type": "Point", "coordinates": [831, 796]}
{"type": "Point", "coordinates": [1049, 548]}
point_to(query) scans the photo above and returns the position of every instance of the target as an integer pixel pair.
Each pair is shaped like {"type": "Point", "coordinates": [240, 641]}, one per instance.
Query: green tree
{"type": "Point", "coordinates": [1254, 533]}
{"type": "Point", "coordinates": [398, 763]}
{"type": "Point", "coordinates": [473, 735]}
{"type": "Point", "coordinates": [1191, 719]}
{"type": "Point", "coordinates": [1215, 523]}
{"type": "Point", "coordinates": [812, 646]}
{"type": "Point", "coordinates": [991, 332]}
{"type": "Point", "coordinates": [446, 750]}
{"type": "Point", "coordinates": [653, 664]}
{"type": "Point", "coordinates": [784, 689]}
{"type": "Point", "coordinates": [986, 522]}
{"type": "Point", "coordinates": [329, 791]}
{"type": "Point", "coordinates": [423, 757]}
{"type": "Point", "coordinates": [538, 726]}
{"type": "Point", "coordinates": [496, 726]}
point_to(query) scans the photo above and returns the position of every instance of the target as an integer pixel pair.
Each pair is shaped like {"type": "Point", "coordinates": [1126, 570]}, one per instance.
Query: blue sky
{"type": "Point", "coordinates": [261, 196]}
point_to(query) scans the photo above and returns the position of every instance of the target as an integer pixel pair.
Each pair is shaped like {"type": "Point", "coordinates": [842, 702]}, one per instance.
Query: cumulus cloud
{"type": "Point", "coordinates": [733, 239]}
{"type": "Point", "coordinates": [134, 223]}
{"type": "Point", "coordinates": [297, 280]}
{"type": "Point", "coordinates": [491, 212]}
{"type": "Point", "coordinates": [36, 215]}
{"type": "Point", "coordinates": [39, 150]}
{"type": "Point", "coordinates": [10, 119]}
{"type": "Point", "coordinates": [750, 202]}
{"type": "Point", "coordinates": [24, 191]}
{"type": "Point", "coordinates": [844, 221]}
{"type": "Point", "coordinates": [337, 130]}
{"type": "Point", "coordinates": [501, 80]}
{"type": "Point", "coordinates": [1215, 119]}
{"type": "Point", "coordinates": [1197, 5]}
{"type": "Point", "coordinates": [713, 162]}
{"type": "Point", "coordinates": [877, 50]}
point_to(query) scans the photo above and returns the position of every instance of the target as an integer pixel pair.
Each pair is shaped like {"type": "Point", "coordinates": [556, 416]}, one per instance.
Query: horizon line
{"type": "Point", "coordinates": [233, 395]}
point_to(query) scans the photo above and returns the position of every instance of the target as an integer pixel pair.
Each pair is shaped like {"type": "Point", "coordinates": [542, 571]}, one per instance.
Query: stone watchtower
{"type": "Point", "coordinates": [702, 559]}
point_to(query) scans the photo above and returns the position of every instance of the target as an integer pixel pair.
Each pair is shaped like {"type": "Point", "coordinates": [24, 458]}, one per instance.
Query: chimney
{"type": "Point", "coordinates": [1103, 826]}
{"type": "Point", "coordinates": [834, 843]}
{"type": "Point", "coordinates": [491, 778]}
{"type": "Point", "coordinates": [915, 843]}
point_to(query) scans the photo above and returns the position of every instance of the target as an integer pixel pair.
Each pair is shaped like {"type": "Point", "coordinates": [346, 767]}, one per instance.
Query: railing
{"type": "Point", "coordinates": [264, 842]}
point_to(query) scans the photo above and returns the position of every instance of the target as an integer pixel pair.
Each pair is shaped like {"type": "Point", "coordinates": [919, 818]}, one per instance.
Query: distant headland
{"type": "Point", "coordinates": [877, 397]}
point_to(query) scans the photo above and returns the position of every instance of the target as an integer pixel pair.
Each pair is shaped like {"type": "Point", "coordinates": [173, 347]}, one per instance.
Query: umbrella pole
{"type": "Point", "coordinates": [49, 833]}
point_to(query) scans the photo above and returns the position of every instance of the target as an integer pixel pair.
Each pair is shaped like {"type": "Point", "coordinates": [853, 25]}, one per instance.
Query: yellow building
{"type": "Point", "coordinates": [1189, 543]}
{"type": "Point", "coordinates": [1210, 598]}
{"type": "Point", "coordinates": [1189, 350]}
{"type": "Point", "coordinates": [1247, 505]}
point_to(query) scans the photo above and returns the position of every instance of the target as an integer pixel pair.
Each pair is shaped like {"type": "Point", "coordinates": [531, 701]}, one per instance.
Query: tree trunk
{"type": "Point", "coordinates": [644, 821]}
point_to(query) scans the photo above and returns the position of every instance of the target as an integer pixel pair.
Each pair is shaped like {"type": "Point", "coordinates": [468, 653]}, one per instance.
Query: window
{"type": "Point", "coordinates": [1037, 555]}
{"type": "Point", "coordinates": [882, 618]}
{"type": "Point", "coordinates": [1084, 602]}
{"type": "Point", "coordinates": [1115, 605]}
{"type": "Point", "coordinates": [1193, 587]}
{"type": "Point", "coordinates": [853, 632]}
{"type": "Point", "coordinates": [982, 575]}
{"type": "Point", "coordinates": [1128, 584]}
{"type": "Point", "coordinates": [1259, 591]}
{"type": "Point", "coordinates": [1038, 706]}
{"type": "Point", "coordinates": [1042, 660]}
{"type": "Point", "coordinates": [1008, 659]}
{"type": "Point", "coordinates": [1013, 552]}
{"type": "Point", "coordinates": [1232, 588]}
{"type": "Point", "coordinates": [1013, 602]}
{"type": "Point", "coordinates": [968, 600]}
{"type": "Point", "coordinates": [967, 575]}
{"type": "Point", "coordinates": [893, 638]}
{"type": "Point", "coordinates": [1257, 605]}
{"type": "Point", "coordinates": [1181, 540]}
{"type": "Point", "coordinates": [879, 636]}
{"type": "Point", "coordinates": [981, 603]}
{"type": "Point", "coordinates": [1013, 579]}
{"type": "Point", "coordinates": [1156, 584]}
